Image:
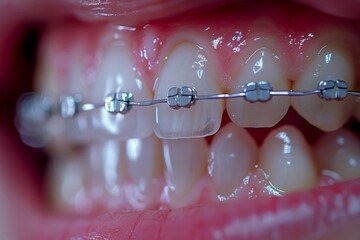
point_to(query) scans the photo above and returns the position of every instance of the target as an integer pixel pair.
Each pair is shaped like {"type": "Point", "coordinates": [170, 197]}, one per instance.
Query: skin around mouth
{"type": "Point", "coordinates": [325, 212]}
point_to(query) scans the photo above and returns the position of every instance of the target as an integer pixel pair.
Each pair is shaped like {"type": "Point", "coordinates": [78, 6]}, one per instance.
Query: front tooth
{"type": "Point", "coordinates": [183, 168]}
{"type": "Point", "coordinates": [339, 152]}
{"type": "Point", "coordinates": [188, 66]}
{"type": "Point", "coordinates": [331, 63]}
{"type": "Point", "coordinates": [233, 154]}
{"type": "Point", "coordinates": [117, 72]}
{"type": "Point", "coordinates": [286, 157]}
{"type": "Point", "coordinates": [263, 65]}
{"type": "Point", "coordinates": [144, 164]}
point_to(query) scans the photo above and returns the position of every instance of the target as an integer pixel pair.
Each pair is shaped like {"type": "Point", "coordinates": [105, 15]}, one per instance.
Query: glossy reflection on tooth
{"type": "Point", "coordinates": [287, 158]}
{"type": "Point", "coordinates": [262, 65]}
{"type": "Point", "coordinates": [233, 154]}
{"type": "Point", "coordinates": [331, 63]}
{"type": "Point", "coordinates": [117, 72]}
{"type": "Point", "coordinates": [187, 65]}
{"type": "Point", "coordinates": [185, 163]}
{"type": "Point", "coordinates": [144, 165]}
{"type": "Point", "coordinates": [339, 152]}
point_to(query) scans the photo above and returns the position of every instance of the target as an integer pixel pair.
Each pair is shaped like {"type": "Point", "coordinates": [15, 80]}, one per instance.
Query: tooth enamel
{"type": "Point", "coordinates": [331, 63]}
{"type": "Point", "coordinates": [88, 180]}
{"type": "Point", "coordinates": [144, 164]}
{"type": "Point", "coordinates": [233, 154]}
{"type": "Point", "coordinates": [67, 185]}
{"type": "Point", "coordinates": [339, 152]}
{"type": "Point", "coordinates": [187, 66]}
{"type": "Point", "coordinates": [262, 65]}
{"type": "Point", "coordinates": [286, 157]}
{"type": "Point", "coordinates": [117, 72]}
{"type": "Point", "coordinates": [185, 163]}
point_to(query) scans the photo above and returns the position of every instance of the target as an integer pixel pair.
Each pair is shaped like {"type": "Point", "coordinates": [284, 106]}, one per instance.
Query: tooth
{"type": "Point", "coordinates": [287, 158]}
{"type": "Point", "coordinates": [188, 66]}
{"type": "Point", "coordinates": [88, 180]}
{"type": "Point", "coordinates": [339, 152]}
{"type": "Point", "coordinates": [262, 65]}
{"type": "Point", "coordinates": [185, 163]}
{"type": "Point", "coordinates": [117, 72]}
{"type": "Point", "coordinates": [67, 187]}
{"type": "Point", "coordinates": [144, 164]}
{"type": "Point", "coordinates": [233, 154]}
{"type": "Point", "coordinates": [331, 63]}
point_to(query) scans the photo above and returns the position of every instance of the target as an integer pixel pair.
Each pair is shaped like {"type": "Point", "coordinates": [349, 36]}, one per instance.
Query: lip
{"type": "Point", "coordinates": [313, 213]}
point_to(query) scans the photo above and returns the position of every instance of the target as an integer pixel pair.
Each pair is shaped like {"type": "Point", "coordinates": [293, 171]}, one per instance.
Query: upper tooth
{"type": "Point", "coordinates": [187, 66]}
{"type": "Point", "coordinates": [331, 63]}
{"type": "Point", "coordinates": [262, 65]}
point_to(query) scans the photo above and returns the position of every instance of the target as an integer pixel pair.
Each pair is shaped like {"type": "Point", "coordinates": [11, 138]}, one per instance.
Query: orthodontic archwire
{"type": "Point", "coordinates": [34, 110]}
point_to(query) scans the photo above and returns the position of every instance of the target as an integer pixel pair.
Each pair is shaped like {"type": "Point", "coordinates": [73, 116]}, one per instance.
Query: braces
{"type": "Point", "coordinates": [35, 109]}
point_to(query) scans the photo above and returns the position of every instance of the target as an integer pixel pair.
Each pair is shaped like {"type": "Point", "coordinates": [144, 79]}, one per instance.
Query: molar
{"type": "Point", "coordinates": [187, 65]}
{"type": "Point", "coordinates": [330, 63]}
{"type": "Point", "coordinates": [263, 65]}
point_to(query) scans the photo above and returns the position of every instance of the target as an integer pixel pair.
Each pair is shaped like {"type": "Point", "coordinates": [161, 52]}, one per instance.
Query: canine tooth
{"type": "Point", "coordinates": [262, 65]}
{"type": "Point", "coordinates": [331, 63]}
{"type": "Point", "coordinates": [233, 154]}
{"type": "Point", "coordinates": [287, 158]}
{"type": "Point", "coordinates": [183, 168]}
{"type": "Point", "coordinates": [187, 65]}
{"type": "Point", "coordinates": [117, 72]}
{"type": "Point", "coordinates": [144, 164]}
{"type": "Point", "coordinates": [339, 152]}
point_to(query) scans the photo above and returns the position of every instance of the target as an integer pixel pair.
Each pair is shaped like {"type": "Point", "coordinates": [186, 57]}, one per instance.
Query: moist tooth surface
{"type": "Point", "coordinates": [187, 65]}
{"type": "Point", "coordinates": [331, 62]}
{"type": "Point", "coordinates": [288, 160]}
{"type": "Point", "coordinates": [263, 64]}
{"type": "Point", "coordinates": [233, 154]}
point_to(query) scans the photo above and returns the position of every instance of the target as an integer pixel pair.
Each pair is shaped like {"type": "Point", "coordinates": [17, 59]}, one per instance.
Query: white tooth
{"type": "Point", "coordinates": [331, 63]}
{"type": "Point", "coordinates": [144, 161]}
{"type": "Point", "coordinates": [187, 65]}
{"type": "Point", "coordinates": [88, 180]}
{"type": "Point", "coordinates": [117, 72]}
{"type": "Point", "coordinates": [287, 158]}
{"type": "Point", "coordinates": [67, 185]}
{"type": "Point", "coordinates": [233, 154]}
{"type": "Point", "coordinates": [185, 163]}
{"type": "Point", "coordinates": [339, 152]}
{"type": "Point", "coordinates": [262, 65]}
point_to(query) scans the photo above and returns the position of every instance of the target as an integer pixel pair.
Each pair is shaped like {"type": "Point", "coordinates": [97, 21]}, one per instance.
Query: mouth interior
{"type": "Point", "coordinates": [26, 60]}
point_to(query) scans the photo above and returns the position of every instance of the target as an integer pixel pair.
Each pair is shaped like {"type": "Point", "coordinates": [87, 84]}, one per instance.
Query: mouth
{"type": "Point", "coordinates": [287, 168]}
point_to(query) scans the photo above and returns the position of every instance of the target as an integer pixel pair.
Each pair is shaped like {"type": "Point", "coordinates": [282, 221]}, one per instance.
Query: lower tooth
{"type": "Point", "coordinates": [187, 66]}
{"type": "Point", "coordinates": [339, 152]}
{"type": "Point", "coordinates": [183, 168]}
{"type": "Point", "coordinates": [233, 154]}
{"type": "Point", "coordinates": [67, 185]}
{"type": "Point", "coordinates": [144, 164]}
{"type": "Point", "coordinates": [287, 158]}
